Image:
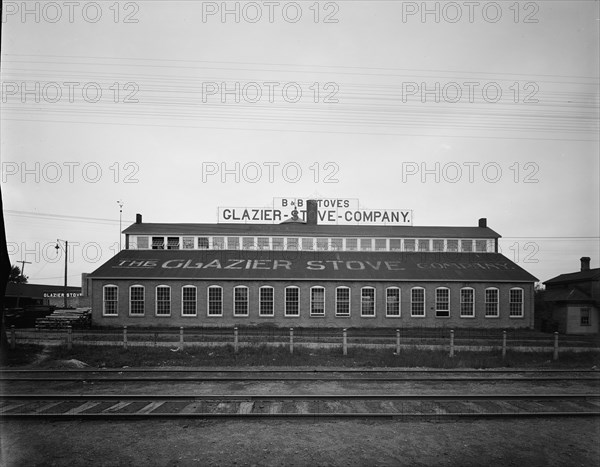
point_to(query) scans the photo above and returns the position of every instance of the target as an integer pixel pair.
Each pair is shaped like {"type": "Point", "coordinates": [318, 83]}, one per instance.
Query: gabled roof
{"type": "Point", "coordinates": [314, 265]}
{"type": "Point", "coordinates": [570, 294]}
{"type": "Point", "coordinates": [299, 229]}
{"type": "Point", "coordinates": [589, 275]}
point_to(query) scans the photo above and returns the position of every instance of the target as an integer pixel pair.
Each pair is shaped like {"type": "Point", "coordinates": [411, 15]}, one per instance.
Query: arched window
{"type": "Point", "coordinates": [266, 301]}
{"type": "Point", "coordinates": [136, 300]}
{"type": "Point", "coordinates": [515, 302]}
{"type": "Point", "coordinates": [292, 301]}
{"type": "Point", "coordinates": [215, 301]}
{"type": "Point", "coordinates": [163, 300]}
{"type": "Point", "coordinates": [110, 294]}
{"type": "Point", "coordinates": [317, 301]}
{"type": "Point", "coordinates": [491, 303]}
{"type": "Point", "coordinates": [189, 300]}
{"type": "Point", "coordinates": [342, 301]}
{"type": "Point", "coordinates": [367, 302]}
{"type": "Point", "coordinates": [240, 301]}
{"type": "Point", "coordinates": [417, 302]}
{"type": "Point", "coordinates": [392, 302]}
{"type": "Point", "coordinates": [467, 302]}
{"type": "Point", "coordinates": [442, 302]}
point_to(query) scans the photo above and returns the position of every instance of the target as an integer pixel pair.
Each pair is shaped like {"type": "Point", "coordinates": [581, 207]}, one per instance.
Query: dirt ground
{"type": "Point", "coordinates": [533, 442]}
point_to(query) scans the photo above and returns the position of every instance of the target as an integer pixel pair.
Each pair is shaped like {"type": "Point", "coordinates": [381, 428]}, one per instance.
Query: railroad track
{"type": "Point", "coordinates": [231, 375]}
{"type": "Point", "coordinates": [403, 406]}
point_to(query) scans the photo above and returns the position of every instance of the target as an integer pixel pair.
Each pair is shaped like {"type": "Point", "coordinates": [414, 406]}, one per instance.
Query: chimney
{"type": "Point", "coordinates": [585, 263]}
{"type": "Point", "coordinates": [138, 218]}
{"type": "Point", "coordinates": [312, 212]}
{"type": "Point", "coordinates": [483, 222]}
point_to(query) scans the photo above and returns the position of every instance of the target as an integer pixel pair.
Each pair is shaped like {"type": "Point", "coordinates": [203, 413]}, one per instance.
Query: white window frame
{"type": "Point", "coordinates": [233, 298]}
{"type": "Point", "coordinates": [183, 301]}
{"type": "Point", "coordinates": [462, 303]}
{"type": "Point", "coordinates": [116, 300]}
{"type": "Point", "coordinates": [510, 303]}
{"type": "Point", "coordinates": [413, 302]}
{"type": "Point", "coordinates": [286, 312]}
{"type": "Point", "coordinates": [496, 314]}
{"type": "Point", "coordinates": [312, 313]}
{"type": "Point", "coordinates": [585, 321]}
{"type": "Point", "coordinates": [362, 302]}
{"type": "Point", "coordinates": [148, 242]}
{"type": "Point", "coordinates": [388, 303]}
{"type": "Point", "coordinates": [349, 313]}
{"type": "Point", "coordinates": [156, 313]}
{"type": "Point", "coordinates": [437, 303]}
{"type": "Point", "coordinates": [260, 301]}
{"type": "Point", "coordinates": [143, 300]}
{"type": "Point", "coordinates": [208, 313]}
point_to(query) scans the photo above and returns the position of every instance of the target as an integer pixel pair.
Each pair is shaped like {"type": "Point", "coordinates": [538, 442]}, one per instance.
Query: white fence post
{"type": "Point", "coordinates": [503, 345]}
{"type": "Point", "coordinates": [556, 346]}
{"type": "Point", "coordinates": [181, 337]}
{"type": "Point", "coordinates": [345, 342]}
{"type": "Point", "coordinates": [398, 341]}
{"type": "Point", "coordinates": [125, 337]}
{"type": "Point", "coordinates": [235, 339]}
{"type": "Point", "coordinates": [291, 340]}
{"type": "Point", "coordinates": [452, 343]}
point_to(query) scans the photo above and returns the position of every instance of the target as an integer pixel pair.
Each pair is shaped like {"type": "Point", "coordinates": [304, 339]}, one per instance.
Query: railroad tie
{"type": "Point", "coordinates": [83, 407]}
{"type": "Point", "coordinates": [275, 408]}
{"type": "Point", "coordinates": [150, 407]}
{"type": "Point", "coordinates": [245, 408]}
{"type": "Point", "coordinates": [116, 407]}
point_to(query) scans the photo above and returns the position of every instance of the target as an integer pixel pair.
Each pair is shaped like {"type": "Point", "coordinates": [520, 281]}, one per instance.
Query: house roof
{"type": "Point", "coordinates": [314, 265]}
{"type": "Point", "coordinates": [563, 295]}
{"type": "Point", "coordinates": [590, 274]}
{"type": "Point", "coordinates": [301, 229]}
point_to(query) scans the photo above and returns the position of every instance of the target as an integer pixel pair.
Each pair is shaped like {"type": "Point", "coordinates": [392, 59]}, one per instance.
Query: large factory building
{"type": "Point", "coordinates": [307, 274]}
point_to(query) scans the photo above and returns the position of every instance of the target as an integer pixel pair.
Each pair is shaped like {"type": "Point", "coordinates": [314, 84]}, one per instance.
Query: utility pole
{"type": "Point", "coordinates": [23, 263]}
{"type": "Point", "coordinates": [120, 203]}
{"type": "Point", "coordinates": [58, 240]}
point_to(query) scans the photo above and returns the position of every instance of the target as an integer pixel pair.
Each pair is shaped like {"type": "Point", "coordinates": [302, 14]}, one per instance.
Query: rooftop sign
{"type": "Point", "coordinates": [333, 211]}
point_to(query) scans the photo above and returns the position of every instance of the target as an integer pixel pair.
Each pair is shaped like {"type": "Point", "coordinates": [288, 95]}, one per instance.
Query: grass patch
{"type": "Point", "coordinates": [24, 354]}
{"type": "Point", "coordinates": [117, 357]}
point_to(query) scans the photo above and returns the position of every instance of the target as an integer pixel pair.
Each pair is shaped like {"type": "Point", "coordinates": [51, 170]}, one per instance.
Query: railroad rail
{"type": "Point", "coordinates": [263, 374]}
{"type": "Point", "coordinates": [436, 406]}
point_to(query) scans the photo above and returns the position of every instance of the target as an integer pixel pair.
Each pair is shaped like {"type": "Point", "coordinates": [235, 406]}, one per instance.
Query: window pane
{"type": "Point", "coordinates": [466, 245]}
{"type": "Point", "coordinates": [367, 302]}
{"type": "Point", "coordinates": [248, 243]}
{"type": "Point", "coordinates": [158, 243]}
{"type": "Point", "coordinates": [491, 302]}
{"type": "Point", "coordinates": [292, 243]}
{"type": "Point", "coordinates": [438, 245]}
{"type": "Point", "coordinates": [307, 244]}
{"type": "Point", "coordinates": [337, 244]}
{"type": "Point", "coordinates": [292, 295]}
{"type": "Point", "coordinates": [380, 244]}
{"type": "Point", "coordinates": [215, 301]}
{"type": "Point", "coordinates": [142, 243]}
{"type": "Point", "coordinates": [409, 244]}
{"type": "Point", "coordinates": [452, 245]}
{"type": "Point", "coordinates": [240, 301]}
{"type": "Point", "coordinates": [322, 244]}
{"type": "Point", "coordinates": [467, 302]}
{"type": "Point", "coordinates": [417, 302]}
{"type": "Point", "coordinates": [188, 243]}
{"type": "Point", "coordinates": [263, 243]}
{"type": "Point", "coordinates": [317, 301]}
{"type": "Point", "coordinates": [218, 243]}
{"type": "Point", "coordinates": [233, 243]}
{"type": "Point", "coordinates": [481, 246]}
{"type": "Point", "coordinates": [266, 301]}
{"type": "Point", "coordinates": [136, 300]}
{"type": "Point", "coordinates": [342, 301]}
{"type": "Point", "coordinates": [393, 302]}
{"type": "Point", "coordinates": [163, 300]}
{"type": "Point", "coordinates": [365, 244]}
{"type": "Point", "coordinates": [278, 243]}
{"type": "Point", "coordinates": [395, 244]}
{"type": "Point", "coordinates": [423, 245]}
{"type": "Point", "coordinates": [188, 297]}
{"type": "Point", "coordinates": [173, 243]}
{"type": "Point", "coordinates": [442, 303]}
{"type": "Point", "coordinates": [351, 244]}
{"type": "Point", "coordinates": [203, 243]}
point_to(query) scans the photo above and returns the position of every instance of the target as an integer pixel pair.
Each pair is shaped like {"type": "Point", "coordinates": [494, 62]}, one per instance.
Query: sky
{"type": "Point", "coordinates": [454, 110]}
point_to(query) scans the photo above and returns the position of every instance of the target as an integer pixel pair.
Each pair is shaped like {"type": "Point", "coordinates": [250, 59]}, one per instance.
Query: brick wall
{"type": "Point", "coordinates": [354, 320]}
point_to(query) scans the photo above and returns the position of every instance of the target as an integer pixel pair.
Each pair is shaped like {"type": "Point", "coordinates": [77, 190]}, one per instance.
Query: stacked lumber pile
{"type": "Point", "coordinates": [76, 318]}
